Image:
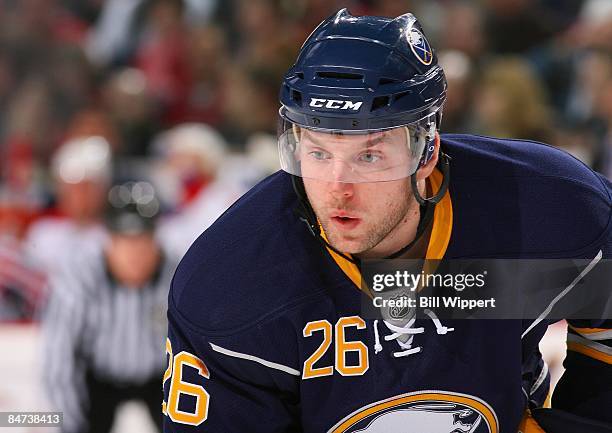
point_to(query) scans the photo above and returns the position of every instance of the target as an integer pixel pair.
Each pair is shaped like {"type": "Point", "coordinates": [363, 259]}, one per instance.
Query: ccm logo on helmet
{"type": "Point", "coordinates": [335, 104]}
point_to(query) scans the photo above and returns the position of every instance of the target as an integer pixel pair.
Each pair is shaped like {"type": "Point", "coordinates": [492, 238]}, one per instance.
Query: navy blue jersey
{"type": "Point", "coordinates": [265, 331]}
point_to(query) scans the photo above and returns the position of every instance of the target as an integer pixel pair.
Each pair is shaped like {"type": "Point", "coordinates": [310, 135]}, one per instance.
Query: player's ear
{"type": "Point", "coordinates": [425, 170]}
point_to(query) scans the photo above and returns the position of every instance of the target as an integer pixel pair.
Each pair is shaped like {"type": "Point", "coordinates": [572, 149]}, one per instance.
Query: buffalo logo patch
{"type": "Point", "coordinates": [422, 412]}
{"type": "Point", "coordinates": [419, 46]}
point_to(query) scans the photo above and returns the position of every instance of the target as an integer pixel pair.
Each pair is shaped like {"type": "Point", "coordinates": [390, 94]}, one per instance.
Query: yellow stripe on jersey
{"type": "Point", "coordinates": [349, 268]}
{"type": "Point", "coordinates": [588, 330]}
{"type": "Point", "coordinates": [442, 223]}
{"type": "Point", "coordinates": [529, 425]}
{"type": "Point", "coordinates": [593, 333]}
{"type": "Point", "coordinates": [590, 352]}
{"type": "Point", "coordinates": [589, 348]}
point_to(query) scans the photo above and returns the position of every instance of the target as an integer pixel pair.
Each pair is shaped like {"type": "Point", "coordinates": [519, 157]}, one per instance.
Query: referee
{"type": "Point", "coordinates": [105, 326]}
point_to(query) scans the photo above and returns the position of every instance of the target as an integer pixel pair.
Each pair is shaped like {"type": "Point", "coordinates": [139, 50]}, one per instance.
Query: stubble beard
{"type": "Point", "coordinates": [375, 230]}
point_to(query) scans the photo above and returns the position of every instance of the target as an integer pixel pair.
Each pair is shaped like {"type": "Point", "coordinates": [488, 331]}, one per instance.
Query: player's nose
{"type": "Point", "coordinates": [338, 180]}
{"type": "Point", "coordinates": [342, 189]}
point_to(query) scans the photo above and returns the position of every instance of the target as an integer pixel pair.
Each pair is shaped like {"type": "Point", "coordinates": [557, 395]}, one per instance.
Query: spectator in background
{"type": "Point", "coordinates": [188, 178]}
{"type": "Point", "coordinates": [262, 152]}
{"type": "Point", "coordinates": [582, 131]}
{"type": "Point", "coordinates": [603, 152]}
{"type": "Point", "coordinates": [127, 98]}
{"type": "Point", "coordinates": [162, 53]}
{"type": "Point", "coordinates": [104, 329]}
{"type": "Point", "coordinates": [110, 39]}
{"type": "Point", "coordinates": [19, 185]}
{"type": "Point", "coordinates": [593, 29]}
{"type": "Point", "coordinates": [511, 102]}
{"type": "Point", "coordinates": [69, 78]}
{"type": "Point", "coordinates": [248, 104]}
{"type": "Point", "coordinates": [95, 122]}
{"type": "Point", "coordinates": [8, 81]}
{"type": "Point", "coordinates": [592, 70]}
{"type": "Point", "coordinates": [262, 54]}
{"type": "Point", "coordinates": [460, 76]}
{"type": "Point", "coordinates": [82, 171]}
{"type": "Point", "coordinates": [21, 284]}
{"type": "Point", "coordinates": [517, 26]}
{"type": "Point", "coordinates": [29, 119]}
{"type": "Point", "coordinates": [463, 30]}
{"type": "Point", "coordinates": [208, 65]}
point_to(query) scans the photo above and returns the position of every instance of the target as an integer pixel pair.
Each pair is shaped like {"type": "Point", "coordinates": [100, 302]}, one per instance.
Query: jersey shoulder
{"type": "Point", "coordinates": [534, 199]}
{"type": "Point", "coordinates": [249, 265]}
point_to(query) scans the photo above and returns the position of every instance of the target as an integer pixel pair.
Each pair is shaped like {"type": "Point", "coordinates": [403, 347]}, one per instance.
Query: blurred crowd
{"type": "Point", "coordinates": [180, 98]}
{"type": "Point", "coordinates": [183, 94]}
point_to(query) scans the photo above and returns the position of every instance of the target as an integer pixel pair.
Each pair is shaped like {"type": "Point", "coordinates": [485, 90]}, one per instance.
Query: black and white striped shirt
{"type": "Point", "coordinates": [94, 324]}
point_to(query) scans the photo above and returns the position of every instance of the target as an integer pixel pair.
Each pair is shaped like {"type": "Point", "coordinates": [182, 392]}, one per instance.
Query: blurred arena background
{"type": "Point", "coordinates": [180, 96]}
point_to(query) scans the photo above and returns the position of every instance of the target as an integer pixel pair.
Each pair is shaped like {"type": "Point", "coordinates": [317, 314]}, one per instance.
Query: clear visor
{"type": "Point", "coordinates": [352, 156]}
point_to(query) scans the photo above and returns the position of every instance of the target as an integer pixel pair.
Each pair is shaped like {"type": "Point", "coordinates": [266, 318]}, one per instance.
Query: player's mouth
{"type": "Point", "coordinates": [345, 221]}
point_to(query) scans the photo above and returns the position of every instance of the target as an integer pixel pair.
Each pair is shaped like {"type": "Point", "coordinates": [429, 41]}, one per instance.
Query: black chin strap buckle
{"type": "Point", "coordinates": [311, 229]}
{"type": "Point", "coordinates": [444, 165]}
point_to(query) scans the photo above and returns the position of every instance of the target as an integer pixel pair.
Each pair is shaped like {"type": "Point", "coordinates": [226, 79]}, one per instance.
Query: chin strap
{"type": "Point", "coordinates": [426, 213]}
{"type": "Point", "coordinates": [444, 165]}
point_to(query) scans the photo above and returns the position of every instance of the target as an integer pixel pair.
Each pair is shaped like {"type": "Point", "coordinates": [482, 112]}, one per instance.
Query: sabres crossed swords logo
{"type": "Point", "coordinates": [420, 47]}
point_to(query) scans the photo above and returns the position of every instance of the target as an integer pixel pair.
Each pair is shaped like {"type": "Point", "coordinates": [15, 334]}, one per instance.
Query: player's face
{"type": "Point", "coordinates": [358, 217]}
{"type": "Point", "coordinates": [133, 259]}
{"type": "Point", "coordinates": [83, 201]}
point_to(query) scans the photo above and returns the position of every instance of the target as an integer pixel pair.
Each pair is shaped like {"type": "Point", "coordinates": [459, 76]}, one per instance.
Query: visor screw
{"type": "Point", "coordinates": [355, 123]}
{"type": "Point", "coordinates": [316, 121]}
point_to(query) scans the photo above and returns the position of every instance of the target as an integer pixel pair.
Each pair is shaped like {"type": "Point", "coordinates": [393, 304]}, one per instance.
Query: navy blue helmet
{"type": "Point", "coordinates": [372, 77]}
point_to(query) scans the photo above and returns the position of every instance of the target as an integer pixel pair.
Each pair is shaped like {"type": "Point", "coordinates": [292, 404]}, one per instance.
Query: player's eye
{"type": "Point", "coordinates": [369, 157]}
{"type": "Point", "coordinates": [320, 155]}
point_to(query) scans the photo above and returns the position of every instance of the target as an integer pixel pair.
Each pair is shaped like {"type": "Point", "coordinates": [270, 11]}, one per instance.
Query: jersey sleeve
{"type": "Point", "coordinates": [585, 388]}
{"type": "Point", "coordinates": [228, 383]}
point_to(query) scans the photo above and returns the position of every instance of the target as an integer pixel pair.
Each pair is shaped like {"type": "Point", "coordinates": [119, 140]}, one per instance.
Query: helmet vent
{"type": "Point", "coordinates": [296, 96]}
{"type": "Point", "coordinates": [385, 80]}
{"type": "Point", "coordinates": [401, 95]}
{"type": "Point", "coordinates": [300, 75]}
{"type": "Point", "coordinates": [379, 102]}
{"type": "Point", "coordinates": [340, 75]}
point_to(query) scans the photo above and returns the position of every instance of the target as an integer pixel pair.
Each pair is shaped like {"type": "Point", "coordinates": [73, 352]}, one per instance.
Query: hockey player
{"type": "Point", "coordinates": [266, 332]}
